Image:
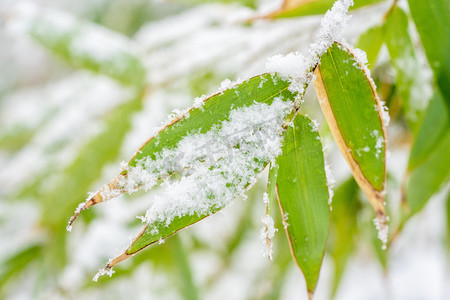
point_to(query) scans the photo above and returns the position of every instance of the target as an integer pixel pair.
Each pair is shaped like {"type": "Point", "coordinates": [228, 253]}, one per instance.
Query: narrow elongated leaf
{"type": "Point", "coordinates": [371, 42]}
{"type": "Point", "coordinates": [344, 228]}
{"type": "Point", "coordinates": [15, 265]}
{"type": "Point", "coordinates": [426, 179]}
{"type": "Point", "coordinates": [303, 197]}
{"type": "Point", "coordinates": [188, 288]}
{"type": "Point", "coordinates": [219, 146]}
{"type": "Point", "coordinates": [447, 206]}
{"type": "Point", "coordinates": [403, 58]}
{"type": "Point", "coordinates": [433, 128]}
{"type": "Point", "coordinates": [429, 163]}
{"type": "Point", "coordinates": [300, 8]}
{"type": "Point", "coordinates": [432, 19]}
{"type": "Point", "coordinates": [352, 109]}
{"type": "Point", "coordinates": [88, 46]}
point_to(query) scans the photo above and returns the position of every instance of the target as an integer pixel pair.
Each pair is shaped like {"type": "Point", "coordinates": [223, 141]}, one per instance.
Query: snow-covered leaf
{"type": "Point", "coordinates": [219, 146]}
{"type": "Point", "coordinates": [353, 111]}
{"type": "Point", "coordinates": [303, 197]}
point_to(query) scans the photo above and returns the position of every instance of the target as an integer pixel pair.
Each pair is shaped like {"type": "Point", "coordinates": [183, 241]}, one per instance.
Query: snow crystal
{"type": "Point", "coordinates": [331, 27]}
{"type": "Point", "coordinates": [266, 235]}
{"type": "Point", "coordinates": [314, 126]}
{"type": "Point", "coordinates": [77, 211]}
{"type": "Point", "coordinates": [285, 218]}
{"type": "Point", "coordinates": [385, 113]}
{"type": "Point", "coordinates": [383, 229]}
{"type": "Point", "coordinates": [330, 183]}
{"type": "Point", "coordinates": [102, 272]}
{"type": "Point", "coordinates": [227, 84]}
{"type": "Point", "coordinates": [293, 67]}
{"type": "Point", "coordinates": [298, 68]}
{"type": "Point", "coordinates": [199, 101]}
{"type": "Point", "coordinates": [379, 142]}
{"type": "Point", "coordinates": [365, 149]}
{"type": "Point", "coordinates": [266, 198]}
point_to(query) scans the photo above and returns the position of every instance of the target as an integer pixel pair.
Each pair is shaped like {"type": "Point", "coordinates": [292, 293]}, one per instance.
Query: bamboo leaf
{"type": "Point", "coordinates": [371, 42]}
{"type": "Point", "coordinates": [303, 197]}
{"type": "Point", "coordinates": [188, 288]}
{"type": "Point", "coordinates": [16, 264]}
{"type": "Point", "coordinates": [433, 128]}
{"type": "Point", "coordinates": [426, 179]}
{"type": "Point", "coordinates": [432, 19]}
{"type": "Point", "coordinates": [447, 215]}
{"type": "Point", "coordinates": [300, 8]}
{"type": "Point", "coordinates": [428, 166]}
{"type": "Point", "coordinates": [208, 115]}
{"type": "Point", "coordinates": [352, 109]}
{"type": "Point", "coordinates": [86, 45]}
{"type": "Point", "coordinates": [344, 228]}
{"type": "Point", "coordinates": [218, 146]}
{"type": "Point", "coordinates": [404, 61]}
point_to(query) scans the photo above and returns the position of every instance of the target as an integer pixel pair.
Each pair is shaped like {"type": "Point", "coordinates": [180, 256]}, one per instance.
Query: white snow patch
{"type": "Point", "coordinates": [266, 235]}
{"type": "Point", "coordinates": [297, 67]}
{"type": "Point", "coordinates": [102, 272]}
{"type": "Point", "coordinates": [330, 183]}
{"type": "Point", "coordinates": [383, 229]}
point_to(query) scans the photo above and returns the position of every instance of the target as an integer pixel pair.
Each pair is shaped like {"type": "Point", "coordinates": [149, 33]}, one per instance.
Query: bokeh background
{"type": "Point", "coordinates": [83, 84]}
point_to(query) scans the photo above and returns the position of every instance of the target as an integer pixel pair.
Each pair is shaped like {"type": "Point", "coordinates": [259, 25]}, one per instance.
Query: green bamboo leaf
{"type": "Point", "coordinates": [447, 206]}
{"type": "Point", "coordinates": [86, 45]}
{"type": "Point", "coordinates": [344, 228]}
{"type": "Point", "coordinates": [428, 166]}
{"type": "Point", "coordinates": [16, 264]}
{"type": "Point", "coordinates": [301, 8]}
{"type": "Point", "coordinates": [213, 127]}
{"type": "Point", "coordinates": [433, 128]}
{"type": "Point", "coordinates": [188, 288]}
{"type": "Point", "coordinates": [432, 19]}
{"type": "Point", "coordinates": [404, 61]}
{"type": "Point", "coordinates": [371, 42]}
{"type": "Point", "coordinates": [303, 197]}
{"type": "Point", "coordinates": [352, 109]}
{"type": "Point", "coordinates": [425, 180]}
